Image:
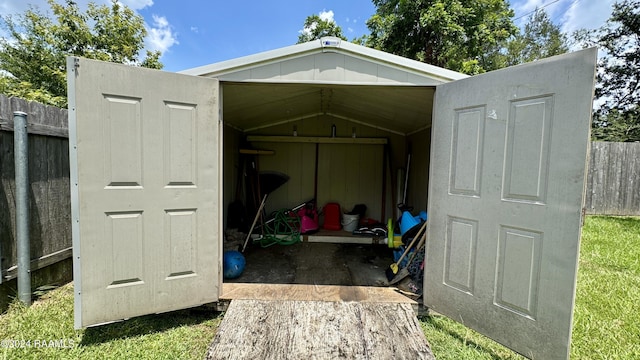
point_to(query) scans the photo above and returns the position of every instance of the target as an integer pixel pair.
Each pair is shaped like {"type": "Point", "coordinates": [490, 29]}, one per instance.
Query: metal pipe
{"type": "Point", "coordinates": [21, 150]}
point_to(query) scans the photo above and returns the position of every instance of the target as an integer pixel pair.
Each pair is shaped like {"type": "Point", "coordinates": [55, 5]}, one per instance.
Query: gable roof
{"type": "Point", "coordinates": [327, 60]}
{"type": "Point", "coordinates": [327, 77]}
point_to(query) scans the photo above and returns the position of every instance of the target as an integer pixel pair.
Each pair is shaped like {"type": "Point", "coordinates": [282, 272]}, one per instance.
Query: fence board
{"type": "Point", "coordinates": [49, 204]}
{"type": "Point", "coordinates": [614, 179]}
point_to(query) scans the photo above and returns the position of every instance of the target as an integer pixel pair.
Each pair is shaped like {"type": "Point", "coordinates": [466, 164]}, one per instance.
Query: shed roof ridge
{"type": "Point", "coordinates": [323, 45]}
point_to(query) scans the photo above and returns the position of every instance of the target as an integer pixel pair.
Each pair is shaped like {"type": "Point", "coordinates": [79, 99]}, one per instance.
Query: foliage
{"type": "Point", "coordinates": [618, 87]}
{"type": "Point", "coordinates": [183, 334]}
{"type": "Point", "coordinates": [616, 125]}
{"type": "Point", "coordinates": [25, 90]}
{"type": "Point", "coordinates": [539, 39]}
{"type": "Point", "coordinates": [32, 56]}
{"type": "Point", "coordinates": [455, 34]}
{"type": "Point", "coordinates": [315, 28]}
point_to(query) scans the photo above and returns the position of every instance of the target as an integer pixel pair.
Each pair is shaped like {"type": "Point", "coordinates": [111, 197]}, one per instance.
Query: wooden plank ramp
{"type": "Point", "coordinates": [317, 322]}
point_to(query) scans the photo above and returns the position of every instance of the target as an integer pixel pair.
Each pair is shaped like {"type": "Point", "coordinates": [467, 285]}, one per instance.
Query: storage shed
{"type": "Point", "coordinates": [288, 100]}
{"type": "Point", "coordinates": [498, 160]}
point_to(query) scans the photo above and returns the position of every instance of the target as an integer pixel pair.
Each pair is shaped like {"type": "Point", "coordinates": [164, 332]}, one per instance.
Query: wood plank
{"type": "Point", "coordinates": [317, 139]}
{"type": "Point", "coordinates": [37, 129]}
{"type": "Point", "coordinates": [42, 119]}
{"type": "Point", "coordinates": [264, 329]}
{"type": "Point", "coordinates": [256, 152]}
{"type": "Point", "coordinates": [39, 263]}
{"type": "Point", "coordinates": [341, 237]}
{"type": "Point", "coordinates": [344, 238]}
{"type": "Point", "coordinates": [303, 292]}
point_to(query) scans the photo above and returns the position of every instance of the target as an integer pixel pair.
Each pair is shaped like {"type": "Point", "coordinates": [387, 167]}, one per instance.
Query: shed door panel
{"type": "Point", "coordinates": [147, 200]}
{"type": "Point", "coordinates": [506, 192]}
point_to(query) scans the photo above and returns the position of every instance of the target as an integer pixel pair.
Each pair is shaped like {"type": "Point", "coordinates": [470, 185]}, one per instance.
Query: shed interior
{"type": "Point", "coordinates": [340, 120]}
{"type": "Point", "coordinates": [290, 119]}
{"type": "Point", "coordinates": [296, 120]}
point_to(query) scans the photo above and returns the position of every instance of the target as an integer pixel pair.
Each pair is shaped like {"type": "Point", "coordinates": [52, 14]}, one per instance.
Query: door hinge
{"type": "Point", "coordinates": [76, 65]}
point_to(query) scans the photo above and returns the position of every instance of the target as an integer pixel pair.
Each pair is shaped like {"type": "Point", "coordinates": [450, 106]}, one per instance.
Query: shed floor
{"type": "Point", "coordinates": [317, 300]}
{"type": "Point", "coordinates": [317, 264]}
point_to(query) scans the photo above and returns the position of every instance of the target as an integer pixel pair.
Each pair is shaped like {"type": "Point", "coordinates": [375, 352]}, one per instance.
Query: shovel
{"type": "Point", "coordinates": [393, 268]}
{"type": "Point", "coordinates": [403, 273]}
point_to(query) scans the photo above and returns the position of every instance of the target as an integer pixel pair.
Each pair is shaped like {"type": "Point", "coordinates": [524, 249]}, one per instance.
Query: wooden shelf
{"type": "Point", "coordinates": [256, 152]}
{"type": "Point", "coordinates": [317, 139]}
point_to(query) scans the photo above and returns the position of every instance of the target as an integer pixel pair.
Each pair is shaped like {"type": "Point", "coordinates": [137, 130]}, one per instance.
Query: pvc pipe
{"type": "Point", "coordinates": [21, 151]}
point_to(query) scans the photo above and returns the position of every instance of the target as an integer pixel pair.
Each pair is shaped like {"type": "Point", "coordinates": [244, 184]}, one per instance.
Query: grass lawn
{"type": "Point", "coordinates": [181, 334]}
{"type": "Point", "coordinates": [606, 317]}
{"type": "Point", "coordinates": [606, 322]}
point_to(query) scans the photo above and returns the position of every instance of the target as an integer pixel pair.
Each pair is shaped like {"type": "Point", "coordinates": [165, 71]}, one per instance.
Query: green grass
{"type": "Point", "coordinates": [450, 340]}
{"type": "Point", "coordinates": [177, 335]}
{"type": "Point", "coordinates": [606, 317]}
{"type": "Point", "coordinates": [606, 321]}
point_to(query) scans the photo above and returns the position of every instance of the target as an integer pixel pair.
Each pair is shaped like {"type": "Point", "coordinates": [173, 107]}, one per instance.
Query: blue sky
{"type": "Point", "coordinates": [192, 33]}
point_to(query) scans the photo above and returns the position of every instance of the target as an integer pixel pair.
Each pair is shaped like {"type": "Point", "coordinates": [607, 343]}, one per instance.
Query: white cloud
{"type": "Point", "coordinates": [350, 29]}
{"type": "Point", "coordinates": [571, 15]}
{"type": "Point", "coordinates": [137, 4]}
{"type": "Point", "coordinates": [586, 15]}
{"type": "Point", "coordinates": [326, 16]}
{"type": "Point", "coordinates": [194, 29]}
{"type": "Point", "coordinates": [161, 36]}
{"type": "Point", "coordinates": [308, 29]}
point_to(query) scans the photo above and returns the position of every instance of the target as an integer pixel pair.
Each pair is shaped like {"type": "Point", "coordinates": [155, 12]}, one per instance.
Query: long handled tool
{"type": "Point", "coordinates": [255, 220]}
{"type": "Point", "coordinates": [393, 268]}
{"type": "Point", "coordinates": [403, 273]}
{"type": "Point", "coordinates": [418, 247]}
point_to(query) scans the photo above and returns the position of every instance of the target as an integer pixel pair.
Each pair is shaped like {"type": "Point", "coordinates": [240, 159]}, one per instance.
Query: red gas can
{"type": "Point", "coordinates": [332, 217]}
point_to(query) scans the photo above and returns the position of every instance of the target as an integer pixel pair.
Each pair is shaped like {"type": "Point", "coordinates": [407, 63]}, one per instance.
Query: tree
{"type": "Point", "coordinates": [618, 78]}
{"type": "Point", "coordinates": [539, 39]}
{"type": "Point", "coordinates": [455, 34]}
{"type": "Point", "coordinates": [616, 125]}
{"type": "Point", "coordinates": [316, 27]}
{"type": "Point", "coordinates": [32, 56]}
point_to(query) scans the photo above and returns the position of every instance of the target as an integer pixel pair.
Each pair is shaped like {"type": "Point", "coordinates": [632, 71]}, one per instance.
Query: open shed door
{"type": "Point", "coordinates": [145, 149]}
{"type": "Point", "coordinates": [509, 152]}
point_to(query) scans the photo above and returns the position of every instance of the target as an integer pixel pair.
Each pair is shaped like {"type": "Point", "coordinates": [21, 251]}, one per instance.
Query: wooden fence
{"type": "Point", "coordinates": [613, 183]}
{"type": "Point", "coordinates": [50, 204]}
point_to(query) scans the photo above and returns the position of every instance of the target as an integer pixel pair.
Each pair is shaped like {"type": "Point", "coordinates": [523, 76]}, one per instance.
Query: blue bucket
{"type": "Point", "coordinates": [407, 221]}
